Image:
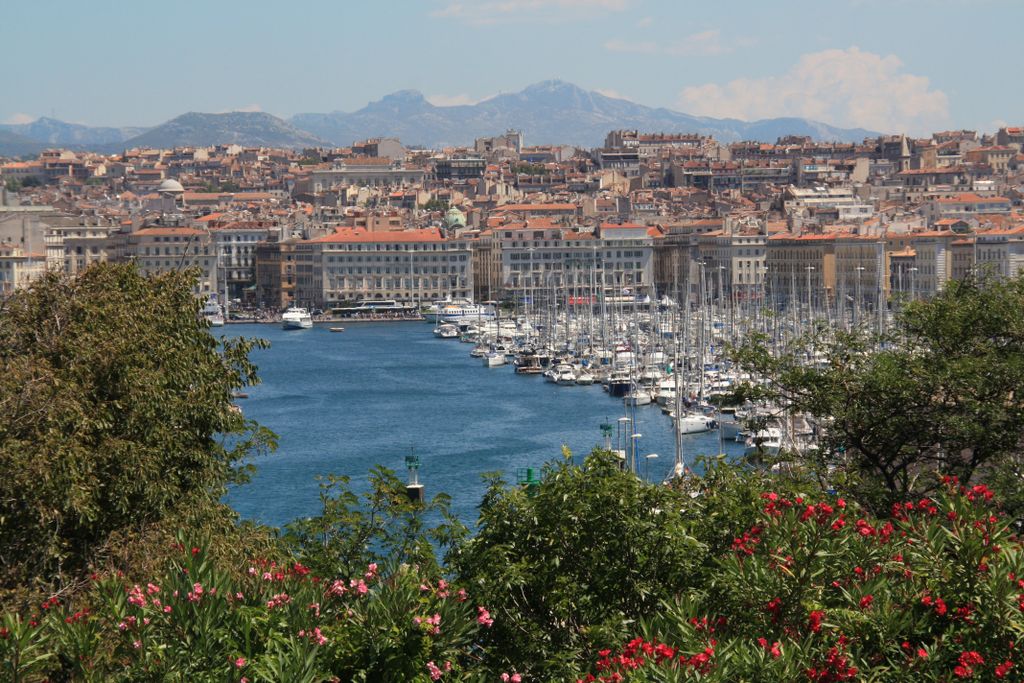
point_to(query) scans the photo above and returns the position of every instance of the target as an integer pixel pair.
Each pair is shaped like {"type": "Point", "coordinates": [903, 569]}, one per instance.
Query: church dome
{"type": "Point", "coordinates": [170, 186]}
{"type": "Point", "coordinates": [454, 219]}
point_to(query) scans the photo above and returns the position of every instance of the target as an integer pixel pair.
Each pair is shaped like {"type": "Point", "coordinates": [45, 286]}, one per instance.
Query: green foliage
{"type": "Point", "coordinates": [117, 405]}
{"type": "Point", "coordinates": [198, 620]}
{"type": "Point", "coordinates": [385, 526]}
{"type": "Point", "coordinates": [824, 592]}
{"type": "Point", "coordinates": [567, 567]}
{"type": "Point", "coordinates": [435, 205]}
{"type": "Point", "coordinates": [524, 168]}
{"type": "Point", "coordinates": [939, 394]}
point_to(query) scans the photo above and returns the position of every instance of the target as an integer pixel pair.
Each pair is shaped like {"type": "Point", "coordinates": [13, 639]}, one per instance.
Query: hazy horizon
{"type": "Point", "coordinates": [895, 66]}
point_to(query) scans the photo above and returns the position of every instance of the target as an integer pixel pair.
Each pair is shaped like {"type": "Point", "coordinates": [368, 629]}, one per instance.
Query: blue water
{"type": "Point", "coordinates": [344, 402]}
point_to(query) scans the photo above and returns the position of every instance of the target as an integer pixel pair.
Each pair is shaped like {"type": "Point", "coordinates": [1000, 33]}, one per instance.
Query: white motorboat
{"type": "Point", "coordinates": [494, 359]}
{"type": "Point", "coordinates": [767, 441]}
{"type": "Point", "coordinates": [694, 423]}
{"type": "Point", "coordinates": [296, 319]}
{"type": "Point", "coordinates": [638, 397]}
{"type": "Point", "coordinates": [584, 379]}
{"type": "Point", "coordinates": [446, 331]}
{"type": "Point", "coordinates": [564, 376]}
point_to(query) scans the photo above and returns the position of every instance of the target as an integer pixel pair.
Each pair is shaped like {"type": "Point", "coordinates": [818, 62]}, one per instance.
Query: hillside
{"type": "Point", "coordinates": [251, 129]}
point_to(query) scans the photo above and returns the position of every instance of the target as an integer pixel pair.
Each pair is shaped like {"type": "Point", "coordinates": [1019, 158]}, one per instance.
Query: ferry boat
{"type": "Point", "coordinates": [370, 307]}
{"type": "Point", "coordinates": [296, 319]}
{"type": "Point", "coordinates": [466, 312]}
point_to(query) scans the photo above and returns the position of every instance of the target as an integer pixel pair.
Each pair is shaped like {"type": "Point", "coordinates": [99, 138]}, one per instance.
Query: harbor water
{"type": "Point", "coordinates": [342, 403]}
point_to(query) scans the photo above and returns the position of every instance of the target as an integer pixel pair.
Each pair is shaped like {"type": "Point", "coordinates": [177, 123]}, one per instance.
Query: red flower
{"type": "Point", "coordinates": [866, 601]}
{"type": "Point", "coordinates": [1003, 669]}
{"type": "Point", "coordinates": [814, 620]}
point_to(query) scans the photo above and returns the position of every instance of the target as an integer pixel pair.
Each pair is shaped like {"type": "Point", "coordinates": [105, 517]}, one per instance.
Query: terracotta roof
{"type": "Point", "coordinates": [162, 232]}
{"type": "Point", "coordinates": [971, 197]}
{"type": "Point", "coordinates": [358, 235]}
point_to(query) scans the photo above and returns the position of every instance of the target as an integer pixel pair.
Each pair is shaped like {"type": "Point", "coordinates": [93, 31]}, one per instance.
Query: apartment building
{"type": "Point", "coordinates": [274, 264]}
{"type": "Point", "coordinates": [408, 266]}
{"type": "Point", "coordinates": [18, 267]}
{"type": "Point", "coordinates": [733, 262]}
{"type": "Point", "coordinates": [73, 248]}
{"type": "Point", "coordinates": [160, 249]}
{"type": "Point", "coordinates": [542, 255]}
{"type": "Point", "coordinates": [235, 244]}
{"type": "Point", "coordinates": [801, 268]}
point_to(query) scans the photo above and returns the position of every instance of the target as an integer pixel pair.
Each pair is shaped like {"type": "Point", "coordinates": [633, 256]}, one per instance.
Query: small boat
{"type": "Point", "coordinates": [637, 397]}
{"type": "Point", "coordinates": [564, 376]}
{"type": "Point", "coordinates": [494, 359]}
{"type": "Point", "coordinates": [446, 331]}
{"type": "Point", "coordinates": [296, 319]}
{"type": "Point", "coordinates": [694, 423]}
{"type": "Point", "coordinates": [336, 329]}
{"type": "Point", "coordinates": [584, 379]}
{"type": "Point", "coordinates": [767, 441]}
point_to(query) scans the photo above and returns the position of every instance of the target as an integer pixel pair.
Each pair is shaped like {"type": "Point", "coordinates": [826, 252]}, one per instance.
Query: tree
{"type": "Point", "coordinates": [116, 412]}
{"type": "Point", "coordinates": [566, 566]}
{"type": "Point", "coordinates": [939, 394]}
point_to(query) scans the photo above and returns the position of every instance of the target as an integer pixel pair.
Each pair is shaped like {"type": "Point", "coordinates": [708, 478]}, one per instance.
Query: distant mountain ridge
{"type": "Point", "coordinates": [549, 112]}
{"type": "Point", "coordinates": [56, 133]}
{"type": "Point", "coordinates": [251, 129]}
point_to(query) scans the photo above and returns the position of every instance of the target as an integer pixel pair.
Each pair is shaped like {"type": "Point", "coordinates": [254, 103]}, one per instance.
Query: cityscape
{"type": "Point", "coordinates": [516, 341]}
{"type": "Point", "coordinates": [323, 228]}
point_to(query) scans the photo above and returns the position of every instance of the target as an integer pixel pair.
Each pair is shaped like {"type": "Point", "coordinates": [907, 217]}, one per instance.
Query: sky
{"type": "Point", "coordinates": [911, 66]}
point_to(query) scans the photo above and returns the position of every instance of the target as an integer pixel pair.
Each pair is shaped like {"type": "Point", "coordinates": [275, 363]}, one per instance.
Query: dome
{"type": "Point", "coordinates": [454, 218]}
{"type": "Point", "coordinates": [170, 186]}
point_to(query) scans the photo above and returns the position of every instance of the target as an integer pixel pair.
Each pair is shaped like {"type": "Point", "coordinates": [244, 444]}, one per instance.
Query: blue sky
{"type": "Point", "coordinates": [895, 65]}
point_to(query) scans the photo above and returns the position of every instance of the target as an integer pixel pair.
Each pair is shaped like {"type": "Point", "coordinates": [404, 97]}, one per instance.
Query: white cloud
{"type": "Point", "coordinates": [704, 44]}
{"type": "Point", "coordinates": [20, 118]}
{"type": "Point", "coordinates": [249, 108]}
{"type": "Point", "coordinates": [841, 87]}
{"type": "Point", "coordinates": [495, 11]}
{"type": "Point", "coordinates": [646, 47]}
{"type": "Point", "coordinates": [453, 100]}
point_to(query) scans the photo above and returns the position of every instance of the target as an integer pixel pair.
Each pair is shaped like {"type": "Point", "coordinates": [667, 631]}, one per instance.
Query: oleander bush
{"type": "Point", "coordinates": [272, 622]}
{"type": "Point", "coordinates": [817, 590]}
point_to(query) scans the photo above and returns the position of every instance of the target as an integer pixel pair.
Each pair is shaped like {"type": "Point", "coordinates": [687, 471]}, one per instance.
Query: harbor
{"type": "Point", "coordinates": [343, 403]}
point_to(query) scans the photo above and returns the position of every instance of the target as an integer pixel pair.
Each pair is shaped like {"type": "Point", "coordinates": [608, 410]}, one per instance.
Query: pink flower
{"type": "Point", "coordinates": [167, 609]}
{"type": "Point", "coordinates": [435, 673]}
{"type": "Point", "coordinates": [240, 662]}
{"type": "Point", "coordinates": [483, 617]}
{"type": "Point", "coordinates": [137, 644]}
{"type": "Point", "coordinates": [463, 596]}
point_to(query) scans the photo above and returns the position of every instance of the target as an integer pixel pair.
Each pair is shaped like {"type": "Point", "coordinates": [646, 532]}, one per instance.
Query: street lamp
{"type": "Point", "coordinates": [647, 465]}
{"type": "Point", "coordinates": [856, 305]}
{"type": "Point", "coordinates": [913, 294]}
{"type": "Point", "coordinates": [810, 269]}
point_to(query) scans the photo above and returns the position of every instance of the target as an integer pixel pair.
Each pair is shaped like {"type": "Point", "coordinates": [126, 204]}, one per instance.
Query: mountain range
{"type": "Point", "coordinates": [550, 112]}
